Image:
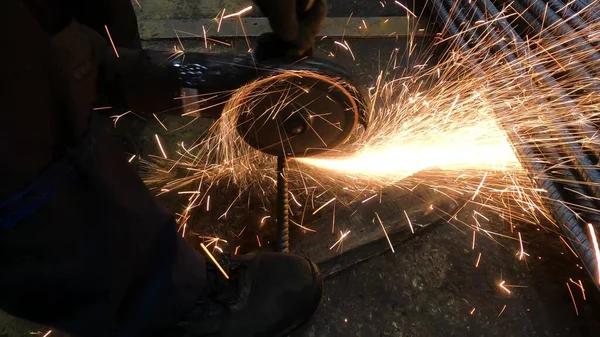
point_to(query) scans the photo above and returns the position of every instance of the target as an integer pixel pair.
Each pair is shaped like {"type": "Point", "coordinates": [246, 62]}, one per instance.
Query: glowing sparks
{"type": "Point", "coordinates": [521, 252]}
{"type": "Point", "coordinates": [323, 206]}
{"type": "Point", "coordinates": [405, 8]}
{"type": "Point", "coordinates": [258, 241]}
{"type": "Point", "coordinates": [212, 258]}
{"type": "Point", "coordinates": [596, 249]}
{"type": "Point", "coordinates": [502, 286]}
{"type": "Point", "coordinates": [456, 127]}
{"type": "Point", "coordinates": [568, 246]}
{"type": "Point", "coordinates": [412, 230]}
{"type": "Point", "coordinates": [579, 285]}
{"type": "Point", "coordinates": [111, 41]}
{"type": "Point", "coordinates": [573, 299]}
{"type": "Point", "coordinates": [385, 232]}
{"type": "Point", "coordinates": [502, 311]}
{"type": "Point", "coordinates": [340, 240]}
{"type": "Point", "coordinates": [369, 198]}
{"type": "Point", "coordinates": [160, 122]}
{"type": "Point", "coordinates": [162, 150]}
{"type": "Point", "coordinates": [479, 187]}
{"type": "Point", "coordinates": [238, 13]}
{"type": "Point", "coordinates": [264, 218]}
{"type": "Point", "coordinates": [131, 158]}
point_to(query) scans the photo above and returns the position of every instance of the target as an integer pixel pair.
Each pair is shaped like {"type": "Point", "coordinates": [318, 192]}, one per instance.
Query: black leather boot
{"type": "Point", "coordinates": [266, 295]}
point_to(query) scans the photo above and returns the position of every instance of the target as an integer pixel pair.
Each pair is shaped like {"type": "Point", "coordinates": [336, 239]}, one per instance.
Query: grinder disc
{"type": "Point", "coordinates": [299, 112]}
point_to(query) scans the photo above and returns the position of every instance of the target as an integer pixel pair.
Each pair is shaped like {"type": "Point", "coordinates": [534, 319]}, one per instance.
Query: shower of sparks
{"type": "Point", "coordinates": [458, 127]}
{"type": "Point", "coordinates": [478, 260]}
{"type": "Point", "coordinates": [47, 333]}
{"type": "Point", "coordinates": [212, 258]}
{"type": "Point", "coordinates": [111, 41]}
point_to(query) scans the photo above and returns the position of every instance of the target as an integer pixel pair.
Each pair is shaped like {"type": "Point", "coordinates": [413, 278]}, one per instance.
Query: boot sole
{"type": "Point", "coordinates": [317, 302]}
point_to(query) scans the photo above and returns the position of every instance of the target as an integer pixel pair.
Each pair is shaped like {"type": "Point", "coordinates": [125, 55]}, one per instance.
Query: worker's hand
{"type": "Point", "coordinates": [295, 22]}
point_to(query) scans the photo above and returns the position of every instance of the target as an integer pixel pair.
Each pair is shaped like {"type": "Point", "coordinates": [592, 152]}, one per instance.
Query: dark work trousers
{"type": "Point", "coordinates": [98, 256]}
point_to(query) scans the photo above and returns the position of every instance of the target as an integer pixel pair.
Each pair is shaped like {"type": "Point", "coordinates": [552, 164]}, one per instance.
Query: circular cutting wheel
{"type": "Point", "coordinates": [298, 112]}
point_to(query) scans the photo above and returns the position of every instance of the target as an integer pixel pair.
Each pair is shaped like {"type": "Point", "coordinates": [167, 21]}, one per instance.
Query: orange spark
{"type": "Point", "coordinates": [478, 259]}
{"type": "Point", "coordinates": [412, 230]}
{"type": "Point", "coordinates": [238, 13]}
{"type": "Point", "coordinates": [111, 41]}
{"type": "Point", "coordinates": [324, 205]}
{"type": "Point", "coordinates": [162, 150]}
{"type": "Point", "coordinates": [385, 232]}
{"type": "Point", "coordinates": [159, 122]}
{"type": "Point", "coordinates": [579, 285]}
{"type": "Point", "coordinates": [502, 311]}
{"type": "Point", "coordinates": [503, 287]}
{"type": "Point", "coordinates": [405, 8]}
{"type": "Point", "coordinates": [339, 241]}
{"type": "Point", "coordinates": [596, 250]}
{"type": "Point", "coordinates": [573, 299]}
{"type": "Point", "coordinates": [212, 258]}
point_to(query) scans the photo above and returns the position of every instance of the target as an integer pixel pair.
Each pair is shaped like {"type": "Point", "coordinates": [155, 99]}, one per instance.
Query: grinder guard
{"type": "Point", "coordinates": [321, 114]}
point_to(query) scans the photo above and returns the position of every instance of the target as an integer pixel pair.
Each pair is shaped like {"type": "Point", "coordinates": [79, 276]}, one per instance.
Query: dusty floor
{"type": "Point", "coordinates": [430, 286]}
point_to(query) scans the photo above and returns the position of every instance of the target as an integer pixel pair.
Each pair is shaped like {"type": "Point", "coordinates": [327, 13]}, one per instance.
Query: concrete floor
{"type": "Point", "coordinates": [430, 286]}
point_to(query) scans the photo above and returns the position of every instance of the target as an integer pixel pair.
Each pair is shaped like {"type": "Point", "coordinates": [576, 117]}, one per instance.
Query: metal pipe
{"type": "Point", "coordinates": [571, 225]}
{"type": "Point", "coordinates": [584, 164]}
{"type": "Point", "coordinates": [549, 16]}
{"type": "Point", "coordinates": [583, 10]}
{"type": "Point", "coordinates": [573, 20]}
{"type": "Point", "coordinates": [574, 66]}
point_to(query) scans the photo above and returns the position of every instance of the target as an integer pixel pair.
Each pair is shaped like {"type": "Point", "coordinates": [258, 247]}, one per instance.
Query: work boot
{"type": "Point", "coordinates": [266, 295]}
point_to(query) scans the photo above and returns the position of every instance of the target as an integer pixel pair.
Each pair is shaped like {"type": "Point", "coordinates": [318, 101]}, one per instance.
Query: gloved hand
{"type": "Point", "coordinates": [295, 24]}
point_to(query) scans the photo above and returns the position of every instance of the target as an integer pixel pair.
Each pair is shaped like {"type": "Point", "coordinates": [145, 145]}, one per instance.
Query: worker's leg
{"type": "Point", "coordinates": [101, 258]}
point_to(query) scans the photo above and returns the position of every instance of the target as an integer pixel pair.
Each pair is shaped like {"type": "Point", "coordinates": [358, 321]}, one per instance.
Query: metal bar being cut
{"type": "Point", "coordinates": [369, 27]}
